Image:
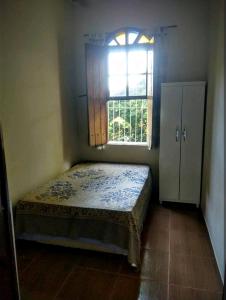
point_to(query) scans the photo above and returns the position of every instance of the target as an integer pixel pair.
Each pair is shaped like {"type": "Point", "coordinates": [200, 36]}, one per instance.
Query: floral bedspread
{"type": "Point", "coordinates": [90, 185]}
{"type": "Point", "coordinates": [92, 190]}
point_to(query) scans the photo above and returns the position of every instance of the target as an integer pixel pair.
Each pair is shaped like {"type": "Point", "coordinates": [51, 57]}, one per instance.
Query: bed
{"type": "Point", "coordinates": [97, 206]}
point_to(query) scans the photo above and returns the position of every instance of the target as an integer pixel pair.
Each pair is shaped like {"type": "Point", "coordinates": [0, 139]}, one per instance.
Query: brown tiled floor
{"type": "Point", "coordinates": [177, 264]}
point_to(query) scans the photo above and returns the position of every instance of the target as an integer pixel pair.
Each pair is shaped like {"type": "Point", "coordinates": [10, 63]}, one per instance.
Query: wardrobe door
{"type": "Point", "coordinates": [191, 143]}
{"type": "Point", "coordinates": [169, 157]}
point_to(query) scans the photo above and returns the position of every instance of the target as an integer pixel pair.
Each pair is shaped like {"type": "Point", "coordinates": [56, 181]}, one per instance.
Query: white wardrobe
{"type": "Point", "coordinates": [181, 139]}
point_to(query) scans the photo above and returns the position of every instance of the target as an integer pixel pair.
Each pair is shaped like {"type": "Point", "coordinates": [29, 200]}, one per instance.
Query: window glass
{"type": "Point", "coordinates": [137, 85]}
{"type": "Point", "coordinates": [121, 38]}
{"type": "Point", "coordinates": [137, 61]}
{"type": "Point", "coordinates": [117, 62]}
{"type": "Point", "coordinates": [132, 37]}
{"type": "Point", "coordinates": [113, 43]}
{"type": "Point", "coordinates": [117, 86]}
{"type": "Point", "coordinates": [145, 40]}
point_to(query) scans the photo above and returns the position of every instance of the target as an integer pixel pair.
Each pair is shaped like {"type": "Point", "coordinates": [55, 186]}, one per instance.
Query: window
{"type": "Point", "coordinates": [130, 87]}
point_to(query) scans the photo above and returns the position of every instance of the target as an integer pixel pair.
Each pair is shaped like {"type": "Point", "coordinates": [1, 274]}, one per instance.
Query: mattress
{"type": "Point", "coordinates": [98, 206]}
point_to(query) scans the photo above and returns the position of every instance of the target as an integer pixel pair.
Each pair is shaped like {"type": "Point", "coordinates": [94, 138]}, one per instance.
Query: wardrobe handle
{"type": "Point", "coordinates": [177, 134]}
{"type": "Point", "coordinates": [184, 134]}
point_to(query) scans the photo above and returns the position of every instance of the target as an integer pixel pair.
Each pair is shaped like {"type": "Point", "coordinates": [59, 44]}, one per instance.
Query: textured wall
{"type": "Point", "coordinates": [36, 108]}
{"type": "Point", "coordinates": [213, 171]}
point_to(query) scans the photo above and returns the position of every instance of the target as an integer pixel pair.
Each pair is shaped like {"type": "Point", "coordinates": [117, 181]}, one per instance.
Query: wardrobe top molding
{"type": "Point", "coordinates": [183, 83]}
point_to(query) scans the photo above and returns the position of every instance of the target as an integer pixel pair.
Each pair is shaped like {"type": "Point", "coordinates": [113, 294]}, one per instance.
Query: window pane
{"type": "Point", "coordinates": [137, 85]}
{"type": "Point", "coordinates": [121, 38]}
{"type": "Point", "coordinates": [112, 43]}
{"type": "Point", "coordinates": [117, 62]}
{"type": "Point", "coordinates": [146, 40]}
{"type": "Point", "coordinates": [137, 61]}
{"type": "Point", "coordinates": [117, 86]}
{"type": "Point", "coordinates": [152, 40]}
{"type": "Point", "coordinates": [131, 37]}
{"type": "Point", "coordinates": [127, 121]}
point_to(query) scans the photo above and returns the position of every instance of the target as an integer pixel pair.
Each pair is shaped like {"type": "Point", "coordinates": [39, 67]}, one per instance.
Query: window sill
{"type": "Point", "coordinates": [127, 144]}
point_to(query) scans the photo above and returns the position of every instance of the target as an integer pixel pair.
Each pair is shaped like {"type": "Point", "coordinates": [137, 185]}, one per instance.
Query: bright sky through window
{"type": "Point", "coordinates": [133, 66]}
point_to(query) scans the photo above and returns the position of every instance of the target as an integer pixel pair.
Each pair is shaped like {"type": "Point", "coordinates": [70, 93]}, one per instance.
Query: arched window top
{"type": "Point", "coordinates": [129, 37]}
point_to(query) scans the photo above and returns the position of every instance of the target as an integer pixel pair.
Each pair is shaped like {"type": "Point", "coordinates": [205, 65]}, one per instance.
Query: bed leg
{"type": "Point", "coordinates": [136, 268]}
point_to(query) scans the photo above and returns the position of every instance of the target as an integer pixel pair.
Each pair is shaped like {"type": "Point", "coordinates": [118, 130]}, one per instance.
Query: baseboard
{"type": "Point", "coordinates": [215, 256]}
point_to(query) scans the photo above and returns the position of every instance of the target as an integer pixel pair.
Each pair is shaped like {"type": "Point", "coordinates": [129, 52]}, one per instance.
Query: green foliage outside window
{"type": "Point", "coordinates": [127, 120]}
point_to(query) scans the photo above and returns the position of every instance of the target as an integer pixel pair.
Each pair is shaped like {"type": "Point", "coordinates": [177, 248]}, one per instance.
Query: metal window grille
{"type": "Point", "coordinates": [128, 121]}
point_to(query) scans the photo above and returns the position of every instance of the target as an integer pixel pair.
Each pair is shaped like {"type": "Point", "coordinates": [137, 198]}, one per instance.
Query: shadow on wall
{"type": "Point", "coordinates": [66, 78]}
{"type": "Point", "coordinates": [208, 135]}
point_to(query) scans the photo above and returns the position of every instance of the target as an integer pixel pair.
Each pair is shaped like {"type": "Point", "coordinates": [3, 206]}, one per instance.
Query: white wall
{"type": "Point", "coordinates": [36, 108]}
{"type": "Point", "coordinates": [213, 170]}
{"type": "Point", "coordinates": [187, 55]}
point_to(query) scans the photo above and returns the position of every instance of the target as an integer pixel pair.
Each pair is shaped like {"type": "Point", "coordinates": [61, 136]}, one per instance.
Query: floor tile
{"type": "Point", "coordinates": [187, 220]}
{"type": "Point", "coordinates": [154, 266]}
{"type": "Point", "coordinates": [76, 256]}
{"type": "Point", "coordinates": [128, 288]}
{"type": "Point", "coordinates": [103, 261]}
{"type": "Point", "coordinates": [155, 239]}
{"type": "Point", "coordinates": [190, 243]}
{"type": "Point", "coordinates": [35, 294]}
{"type": "Point", "coordinates": [194, 272]}
{"type": "Point", "coordinates": [128, 270]}
{"type": "Point", "coordinates": [156, 208]}
{"type": "Point", "coordinates": [45, 275]}
{"type": "Point", "coordinates": [157, 219]}
{"type": "Point", "coordinates": [6, 282]}
{"type": "Point", "coordinates": [180, 293]}
{"type": "Point", "coordinates": [26, 252]}
{"type": "Point", "coordinates": [87, 285]}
